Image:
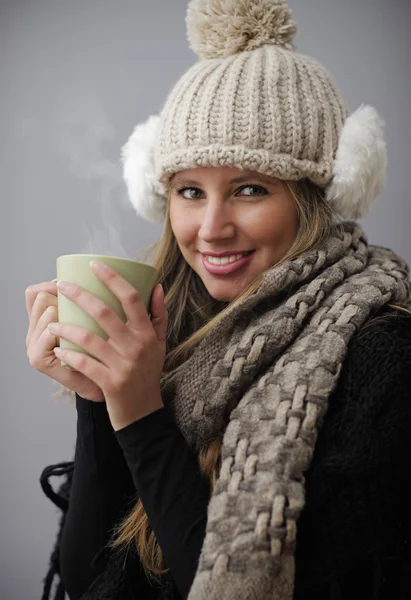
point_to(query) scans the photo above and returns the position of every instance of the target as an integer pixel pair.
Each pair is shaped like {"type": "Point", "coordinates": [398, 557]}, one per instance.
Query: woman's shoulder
{"type": "Point", "coordinates": [383, 341]}
{"type": "Point", "coordinates": [368, 418]}
{"type": "Point", "coordinates": [372, 399]}
{"type": "Point", "coordinates": [389, 319]}
{"type": "Point", "coordinates": [378, 360]}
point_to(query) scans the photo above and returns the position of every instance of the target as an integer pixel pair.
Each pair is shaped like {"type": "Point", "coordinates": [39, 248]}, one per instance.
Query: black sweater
{"type": "Point", "coordinates": [353, 536]}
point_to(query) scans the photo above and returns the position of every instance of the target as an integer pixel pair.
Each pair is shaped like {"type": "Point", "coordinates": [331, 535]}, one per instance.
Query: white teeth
{"type": "Point", "coordinates": [225, 260]}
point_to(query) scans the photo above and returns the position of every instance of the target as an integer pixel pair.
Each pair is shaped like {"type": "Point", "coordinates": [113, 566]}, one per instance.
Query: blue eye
{"type": "Point", "coordinates": [256, 187]}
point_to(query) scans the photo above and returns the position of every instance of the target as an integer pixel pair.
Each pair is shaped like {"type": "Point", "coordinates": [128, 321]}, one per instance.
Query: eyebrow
{"type": "Point", "coordinates": [239, 179]}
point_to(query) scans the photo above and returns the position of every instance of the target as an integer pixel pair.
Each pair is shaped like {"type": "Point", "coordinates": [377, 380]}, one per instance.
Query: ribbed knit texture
{"type": "Point", "coordinates": [252, 102]}
{"type": "Point", "coordinates": [270, 110]}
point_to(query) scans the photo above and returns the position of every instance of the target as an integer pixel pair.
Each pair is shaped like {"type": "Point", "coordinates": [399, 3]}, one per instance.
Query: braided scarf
{"type": "Point", "coordinates": [262, 377]}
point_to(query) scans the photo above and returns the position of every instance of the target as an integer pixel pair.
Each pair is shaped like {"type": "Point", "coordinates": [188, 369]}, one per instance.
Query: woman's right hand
{"type": "Point", "coordinates": [42, 309]}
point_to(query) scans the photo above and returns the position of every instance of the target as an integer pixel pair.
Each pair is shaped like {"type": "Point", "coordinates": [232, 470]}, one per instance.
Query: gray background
{"type": "Point", "coordinates": [75, 77]}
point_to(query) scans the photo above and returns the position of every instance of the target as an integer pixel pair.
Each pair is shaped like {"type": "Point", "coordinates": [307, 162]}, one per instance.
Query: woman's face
{"type": "Point", "coordinates": [229, 209]}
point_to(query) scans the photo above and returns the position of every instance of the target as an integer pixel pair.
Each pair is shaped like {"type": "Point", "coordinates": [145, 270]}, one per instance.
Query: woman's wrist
{"type": "Point", "coordinates": [120, 421]}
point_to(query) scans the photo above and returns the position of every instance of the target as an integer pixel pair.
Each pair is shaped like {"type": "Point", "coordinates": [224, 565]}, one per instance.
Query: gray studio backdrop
{"type": "Point", "coordinates": [75, 77]}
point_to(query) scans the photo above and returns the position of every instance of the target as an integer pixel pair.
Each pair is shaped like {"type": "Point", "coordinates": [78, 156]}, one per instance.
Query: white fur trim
{"type": "Point", "coordinates": [146, 193]}
{"type": "Point", "coordinates": [360, 164]}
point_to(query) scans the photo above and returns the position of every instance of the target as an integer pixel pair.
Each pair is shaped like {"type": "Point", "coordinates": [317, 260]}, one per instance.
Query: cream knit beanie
{"type": "Point", "coordinates": [252, 102]}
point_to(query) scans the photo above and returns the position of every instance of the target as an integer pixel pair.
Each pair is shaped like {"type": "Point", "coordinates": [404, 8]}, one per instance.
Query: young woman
{"type": "Point", "coordinates": [249, 436]}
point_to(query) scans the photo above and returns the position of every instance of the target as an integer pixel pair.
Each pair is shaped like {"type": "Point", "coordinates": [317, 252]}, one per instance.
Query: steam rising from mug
{"type": "Point", "coordinates": [80, 128]}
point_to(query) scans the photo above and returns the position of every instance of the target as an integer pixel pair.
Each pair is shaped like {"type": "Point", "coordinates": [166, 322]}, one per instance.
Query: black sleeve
{"type": "Point", "coordinates": [174, 493]}
{"type": "Point", "coordinates": [102, 490]}
{"type": "Point", "coordinates": [354, 534]}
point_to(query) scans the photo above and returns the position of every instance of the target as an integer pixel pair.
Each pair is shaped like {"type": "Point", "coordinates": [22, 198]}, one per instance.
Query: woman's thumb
{"type": "Point", "coordinates": [159, 313]}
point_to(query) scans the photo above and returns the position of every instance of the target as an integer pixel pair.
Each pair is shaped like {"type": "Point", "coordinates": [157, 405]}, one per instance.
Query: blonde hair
{"type": "Point", "coordinates": [192, 314]}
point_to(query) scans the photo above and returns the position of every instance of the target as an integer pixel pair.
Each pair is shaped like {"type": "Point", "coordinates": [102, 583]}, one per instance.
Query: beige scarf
{"type": "Point", "coordinates": [263, 377]}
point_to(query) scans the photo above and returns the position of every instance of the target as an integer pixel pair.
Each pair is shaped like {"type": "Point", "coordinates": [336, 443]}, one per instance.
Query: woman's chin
{"type": "Point", "coordinates": [224, 290]}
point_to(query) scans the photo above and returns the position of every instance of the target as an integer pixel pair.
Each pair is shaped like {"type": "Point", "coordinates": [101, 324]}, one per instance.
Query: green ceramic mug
{"type": "Point", "coordinates": [76, 268]}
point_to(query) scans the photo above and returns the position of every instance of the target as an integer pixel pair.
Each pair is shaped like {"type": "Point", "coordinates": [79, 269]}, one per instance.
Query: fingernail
{"type": "Point", "coordinates": [98, 267]}
{"type": "Point", "coordinates": [65, 286]}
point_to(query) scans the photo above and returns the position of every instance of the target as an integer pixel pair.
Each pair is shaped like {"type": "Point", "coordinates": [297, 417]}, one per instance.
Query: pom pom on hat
{"type": "Point", "coordinates": [220, 28]}
{"type": "Point", "coordinates": [360, 164]}
{"type": "Point", "coordinates": [147, 195]}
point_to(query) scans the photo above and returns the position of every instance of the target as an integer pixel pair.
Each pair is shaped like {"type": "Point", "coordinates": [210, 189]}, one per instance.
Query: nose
{"type": "Point", "coordinates": [217, 222]}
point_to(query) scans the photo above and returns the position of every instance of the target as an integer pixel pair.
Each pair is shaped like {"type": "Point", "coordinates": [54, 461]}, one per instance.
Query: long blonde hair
{"type": "Point", "coordinates": [192, 314]}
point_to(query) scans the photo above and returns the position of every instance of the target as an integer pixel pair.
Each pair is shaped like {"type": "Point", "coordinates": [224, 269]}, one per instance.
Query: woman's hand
{"type": "Point", "coordinates": [42, 309]}
{"type": "Point", "coordinates": [129, 364]}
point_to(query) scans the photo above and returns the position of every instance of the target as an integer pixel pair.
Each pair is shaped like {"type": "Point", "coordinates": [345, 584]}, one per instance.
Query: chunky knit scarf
{"type": "Point", "coordinates": [263, 377]}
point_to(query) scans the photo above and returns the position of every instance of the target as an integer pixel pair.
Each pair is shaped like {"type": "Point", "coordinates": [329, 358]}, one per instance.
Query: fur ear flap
{"type": "Point", "coordinates": [360, 164]}
{"type": "Point", "coordinates": [148, 196]}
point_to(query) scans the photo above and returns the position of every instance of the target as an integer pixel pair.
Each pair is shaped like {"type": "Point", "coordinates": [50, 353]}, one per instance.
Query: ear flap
{"type": "Point", "coordinates": [148, 196]}
{"type": "Point", "coordinates": [360, 164]}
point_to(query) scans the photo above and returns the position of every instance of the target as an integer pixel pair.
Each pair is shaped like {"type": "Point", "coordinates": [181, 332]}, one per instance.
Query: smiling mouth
{"type": "Point", "coordinates": [229, 267]}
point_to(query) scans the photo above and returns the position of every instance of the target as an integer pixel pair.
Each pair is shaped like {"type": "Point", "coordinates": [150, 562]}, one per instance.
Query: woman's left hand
{"type": "Point", "coordinates": [129, 364]}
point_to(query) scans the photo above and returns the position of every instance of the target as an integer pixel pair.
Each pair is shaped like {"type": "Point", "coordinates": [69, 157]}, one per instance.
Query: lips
{"type": "Point", "coordinates": [229, 267]}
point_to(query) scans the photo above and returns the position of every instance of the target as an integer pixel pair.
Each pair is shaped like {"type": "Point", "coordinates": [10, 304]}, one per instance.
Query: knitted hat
{"type": "Point", "coordinates": [252, 102]}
